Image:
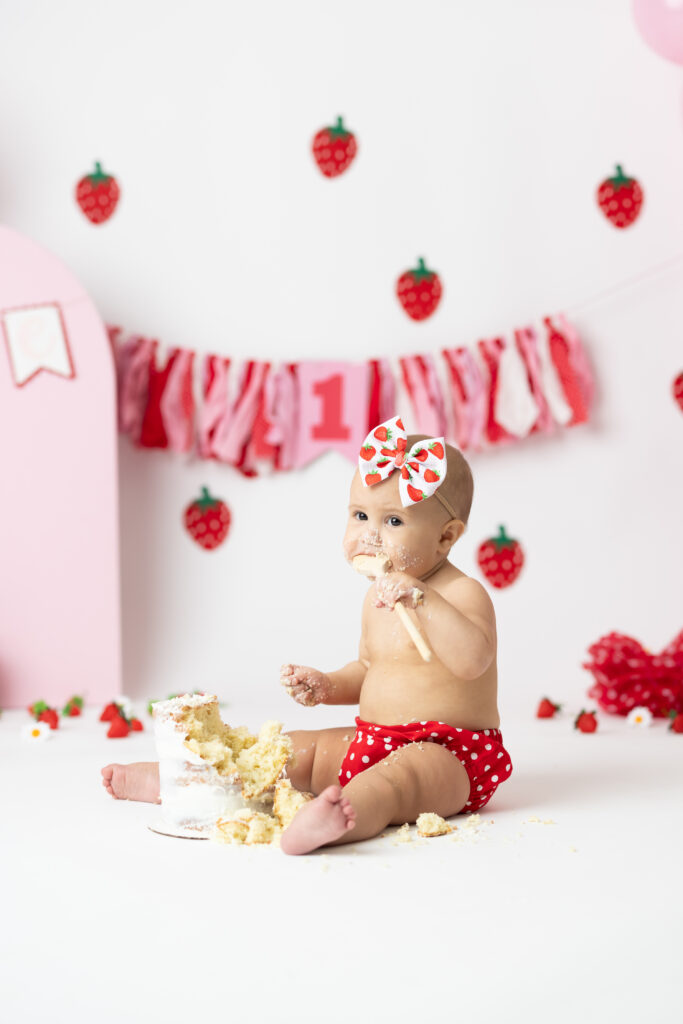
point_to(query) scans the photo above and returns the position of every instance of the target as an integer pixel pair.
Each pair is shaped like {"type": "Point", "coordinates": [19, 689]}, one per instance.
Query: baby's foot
{"type": "Point", "coordinates": [319, 822]}
{"type": "Point", "coordinates": [138, 781]}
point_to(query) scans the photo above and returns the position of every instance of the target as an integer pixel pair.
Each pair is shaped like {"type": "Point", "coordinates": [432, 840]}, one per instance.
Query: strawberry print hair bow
{"type": "Point", "coordinates": [423, 468]}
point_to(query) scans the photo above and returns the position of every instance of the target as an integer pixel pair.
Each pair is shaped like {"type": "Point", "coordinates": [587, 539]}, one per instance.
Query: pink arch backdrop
{"type": "Point", "coordinates": [59, 542]}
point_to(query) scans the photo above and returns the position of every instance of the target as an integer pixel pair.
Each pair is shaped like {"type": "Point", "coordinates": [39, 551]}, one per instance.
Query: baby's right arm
{"type": "Point", "coordinates": [309, 687]}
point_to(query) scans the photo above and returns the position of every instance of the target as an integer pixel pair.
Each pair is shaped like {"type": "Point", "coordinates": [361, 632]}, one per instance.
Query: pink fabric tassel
{"type": "Point", "coordinates": [491, 351]}
{"type": "Point", "coordinates": [233, 432]}
{"type": "Point", "coordinates": [177, 403]}
{"type": "Point", "coordinates": [213, 408]}
{"type": "Point", "coordinates": [134, 388]}
{"type": "Point", "coordinates": [525, 339]}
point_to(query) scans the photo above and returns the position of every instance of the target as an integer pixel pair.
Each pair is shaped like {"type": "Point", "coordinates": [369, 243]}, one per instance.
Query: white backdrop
{"type": "Point", "coordinates": [484, 130]}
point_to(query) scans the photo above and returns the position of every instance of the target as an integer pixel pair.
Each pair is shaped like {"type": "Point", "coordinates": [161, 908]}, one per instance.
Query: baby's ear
{"type": "Point", "coordinates": [451, 533]}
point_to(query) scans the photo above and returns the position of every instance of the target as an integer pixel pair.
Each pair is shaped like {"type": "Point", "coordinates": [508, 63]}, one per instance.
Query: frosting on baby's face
{"type": "Point", "coordinates": [415, 538]}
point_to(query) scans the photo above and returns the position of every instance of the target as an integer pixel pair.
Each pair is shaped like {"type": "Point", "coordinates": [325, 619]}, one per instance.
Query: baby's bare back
{"type": "Point", "coordinates": [400, 687]}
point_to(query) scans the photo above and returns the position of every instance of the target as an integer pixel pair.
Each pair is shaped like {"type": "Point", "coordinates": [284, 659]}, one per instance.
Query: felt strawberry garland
{"type": "Point", "coordinates": [620, 198]}
{"type": "Point", "coordinates": [97, 194]}
{"type": "Point", "coordinates": [500, 558]}
{"type": "Point", "coordinates": [261, 417]}
{"type": "Point", "coordinates": [207, 520]}
{"type": "Point", "coordinates": [334, 149]}
{"type": "Point", "coordinates": [419, 291]}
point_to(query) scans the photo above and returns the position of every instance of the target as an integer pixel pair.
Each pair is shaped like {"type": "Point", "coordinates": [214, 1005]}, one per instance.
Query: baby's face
{"type": "Point", "coordinates": [411, 536]}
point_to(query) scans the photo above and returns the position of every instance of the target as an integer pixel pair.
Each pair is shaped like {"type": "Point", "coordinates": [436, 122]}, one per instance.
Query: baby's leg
{"type": "Point", "coordinates": [317, 757]}
{"type": "Point", "coordinates": [418, 777]}
{"type": "Point", "coordinates": [139, 781]}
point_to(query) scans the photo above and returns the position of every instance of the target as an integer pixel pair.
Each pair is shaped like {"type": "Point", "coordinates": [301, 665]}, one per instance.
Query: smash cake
{"type": "Point", "coordinates": [210, 772]}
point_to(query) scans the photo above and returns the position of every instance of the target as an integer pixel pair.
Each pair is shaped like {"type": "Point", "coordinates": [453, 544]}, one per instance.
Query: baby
{"type": "Point", "coordinates": [427, 738]}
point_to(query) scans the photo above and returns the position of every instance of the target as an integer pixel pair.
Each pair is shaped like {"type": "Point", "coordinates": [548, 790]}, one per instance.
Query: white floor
{"type": "Point", "coordinates": [104, 921]}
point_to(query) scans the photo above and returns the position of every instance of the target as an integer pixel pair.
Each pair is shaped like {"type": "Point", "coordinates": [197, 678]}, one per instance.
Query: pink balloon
{"type": "Point", "coordinates": [660, 23]}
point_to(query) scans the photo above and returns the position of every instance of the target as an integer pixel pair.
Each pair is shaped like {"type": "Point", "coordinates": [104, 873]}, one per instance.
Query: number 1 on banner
{"type": "Point", "coordinates": [331, 428]}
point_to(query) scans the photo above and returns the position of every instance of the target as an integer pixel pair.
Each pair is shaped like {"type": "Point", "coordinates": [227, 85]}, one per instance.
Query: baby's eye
{"type": "Point", "coordinates": [360, 516]}
{"type": "Point", "coordinates": [395, 521]}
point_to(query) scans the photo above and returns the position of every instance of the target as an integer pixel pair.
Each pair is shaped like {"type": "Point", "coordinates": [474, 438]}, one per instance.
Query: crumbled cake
{"type": "Point", "coordinates": [260, 764]}
{"type": "Point", "coordinates": [287, 801]}
{"type": "Point", "coordinates": [248, 827]}
{"type": "Point", "coordinates": [209, 770]}
{"type": "Point", "coordinates": [429, 824]}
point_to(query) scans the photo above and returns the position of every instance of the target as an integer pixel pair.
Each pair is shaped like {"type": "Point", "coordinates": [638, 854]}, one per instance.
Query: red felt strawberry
{"type": "Point", "coordinates": [207, 520]}
{"type": "Point", "coordinates": [136, 725]}
{"type": "Point", "coordinates": [500, 559]}
{"type": "Point", "coordinates": [620, 199]}
{"type": "Point", "coordinates": [546, 708]}
{"type": "Point", "coordinates": [73, 707]}
{"type": "Point", "coordinates": [97, 195]}
{"type": "Point", "coordinates": [372, 478]}
{"type": "Point", "coordinates": [367, 451]}
{"type": "Point", "coordinates": [414, 494]}
{"type": "Point", "coordinates": [334, 148]}
{"type": "Point", "coordinates": [42, 712]}
{"type": "Point", "coordinates": [676, 724]}
{"type": "Point", "coordinates": [678, 390]}
{"type": "Point", "coordinates": [110, 710]}
{"type": "Point", "coordinates": [586, 721]}
{"type": "Point", "coordinates": [419, 291]}
{"type": "Point", "coordinates": [118, 727]}
{"type": "Point", "coordinates": [50, 716]}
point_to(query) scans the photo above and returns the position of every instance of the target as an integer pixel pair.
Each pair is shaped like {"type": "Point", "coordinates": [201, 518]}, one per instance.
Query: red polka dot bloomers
{"type": "Point", "coordinates": [481, 753]}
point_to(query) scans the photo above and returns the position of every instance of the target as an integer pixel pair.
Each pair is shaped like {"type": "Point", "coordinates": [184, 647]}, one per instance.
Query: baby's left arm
{"type": "Point", "coordinates": [460, 625]}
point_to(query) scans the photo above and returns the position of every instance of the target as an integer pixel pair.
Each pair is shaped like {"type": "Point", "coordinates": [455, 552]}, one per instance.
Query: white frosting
{"type": "Point", "coordinates": [193, 794]}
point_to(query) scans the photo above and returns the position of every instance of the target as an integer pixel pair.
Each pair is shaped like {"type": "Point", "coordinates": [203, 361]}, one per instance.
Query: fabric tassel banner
{"type": "Point", "coordinates": [262, 417]}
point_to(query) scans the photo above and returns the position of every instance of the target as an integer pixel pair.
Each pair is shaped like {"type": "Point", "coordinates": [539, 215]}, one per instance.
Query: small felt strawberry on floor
{"type": "Point", "coordinates": [676, 723]}
{"type": "Point", "coordinates": [620, 199]}
{"type": "Point", "coordinates": [586, 721]}
{"type": "Point", "coordinates": [109, 711]}
{"type": "Point", "coordinates": [677, 389]}
{"type": "Point", "coordinates": [97, 195]}
{"type": "Point", "coordinates": [118, 728]}
{"type": "Point", "coordinates": [73, 707]}
{"type": "Point", "coordinates": [419, 291]}
{"type": "Point", "coordinates": [136, 725]}
{"type": "Point", "coordinates": [207, 520]}
{"type": "Point", "coordinates": [334, 148]}
{"type": "Point", "coordinates": [500, 559]}
{"type": "Point", "coordinates": [546, 709]}
{"type": "Point", "coordinates": [42, 712]}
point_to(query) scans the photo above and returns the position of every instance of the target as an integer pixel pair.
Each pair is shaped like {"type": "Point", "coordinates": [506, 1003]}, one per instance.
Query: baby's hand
{"type": "Point", "coordinates": [393, 587]}
{"type": "Point", "coordinates": [305, 685]}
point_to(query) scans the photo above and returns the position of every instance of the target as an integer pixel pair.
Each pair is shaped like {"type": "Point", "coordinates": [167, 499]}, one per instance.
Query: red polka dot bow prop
{"type": "Point", "coordinates": [423, 468]}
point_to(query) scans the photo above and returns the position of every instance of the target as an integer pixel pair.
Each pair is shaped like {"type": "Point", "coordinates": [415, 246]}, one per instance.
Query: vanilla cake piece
{"type": "Point", "coordinates": [429, 824]}
{"type": "Point", "coordinates": [206, 770]}
{"type": "Point", "coordinates": [287, 801]}
{"type": "Point", "coordinates": [248, 827]}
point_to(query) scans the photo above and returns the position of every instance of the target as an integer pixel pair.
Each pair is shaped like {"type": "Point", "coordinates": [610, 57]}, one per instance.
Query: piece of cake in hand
{"type": "Point", "coordinates": [429, 824]}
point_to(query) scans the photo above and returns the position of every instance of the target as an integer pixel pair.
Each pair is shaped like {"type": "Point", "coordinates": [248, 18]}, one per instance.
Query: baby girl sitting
{"type": "Point", "coordinates": [427, 738]}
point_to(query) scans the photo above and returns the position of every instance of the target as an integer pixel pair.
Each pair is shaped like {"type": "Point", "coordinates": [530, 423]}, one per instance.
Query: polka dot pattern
{"type": "Point", "coordinates": [626, 675]}
{"type": "Point", "coordinates": [478, 752]}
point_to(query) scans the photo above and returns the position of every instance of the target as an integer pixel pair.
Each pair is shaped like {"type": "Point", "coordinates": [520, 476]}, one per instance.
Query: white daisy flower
{"type": "Point", "coordinates": [641, 717]}
{"type": "Point", "coordinates": [36, 731]}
